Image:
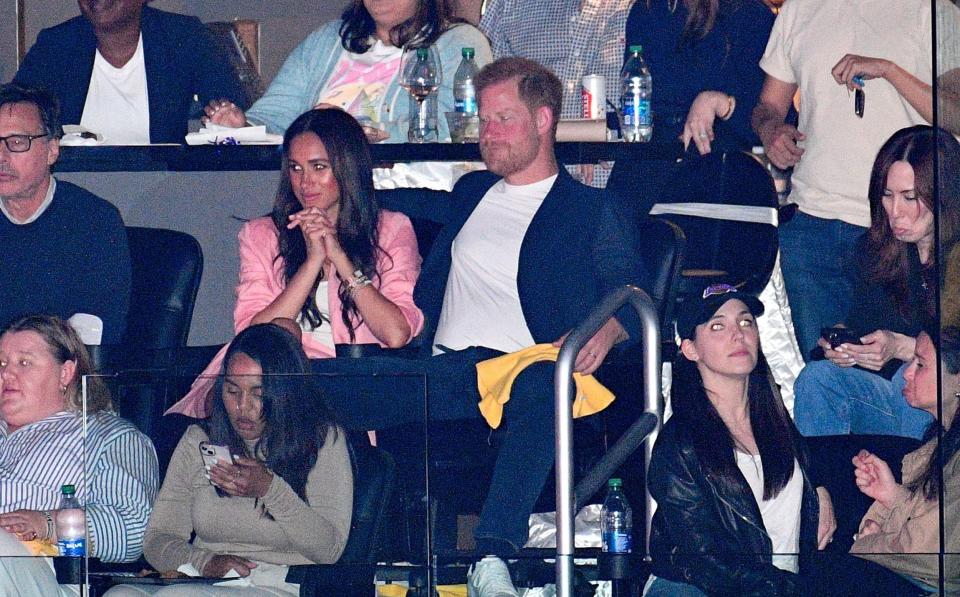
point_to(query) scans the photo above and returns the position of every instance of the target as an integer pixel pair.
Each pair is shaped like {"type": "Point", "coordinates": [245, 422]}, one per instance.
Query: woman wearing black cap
{"type": "Point", "coordinates": [734, 503]}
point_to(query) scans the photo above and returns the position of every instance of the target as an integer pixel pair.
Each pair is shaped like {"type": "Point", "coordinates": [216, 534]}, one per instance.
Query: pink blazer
{"type": "Point", "coordinates": [261, 281]}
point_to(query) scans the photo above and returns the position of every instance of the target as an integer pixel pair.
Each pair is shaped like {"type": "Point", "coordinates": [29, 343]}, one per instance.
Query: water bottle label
{"type": "Point", "coordinates": [644, 117]}
{"type": "Point", "coordinates": [467, 105]}
{"type": "Point", "coordinates": [628, 114]}
{"type": "Point", "coordinates": [72, 547]}
{"type": "Point", "coordinates": [617, 542]}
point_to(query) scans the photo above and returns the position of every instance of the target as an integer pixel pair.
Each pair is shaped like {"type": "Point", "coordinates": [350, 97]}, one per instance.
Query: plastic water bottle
{"type": "Point", "coordinates": [635, 99]}
{"type": "Point", "coordinates": [616, 520]}
{"type": "Point", "coordinates": [464, 91]}
{"type": "Point", "coordinates": [71, 524]}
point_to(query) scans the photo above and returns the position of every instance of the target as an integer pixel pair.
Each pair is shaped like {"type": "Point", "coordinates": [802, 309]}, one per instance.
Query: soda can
{"type": "Point", "coordinates": [593, 97]}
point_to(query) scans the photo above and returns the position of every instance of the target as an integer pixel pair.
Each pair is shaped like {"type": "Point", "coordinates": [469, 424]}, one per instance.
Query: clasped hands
{"type": "Point", "coordinates": [320, 236]}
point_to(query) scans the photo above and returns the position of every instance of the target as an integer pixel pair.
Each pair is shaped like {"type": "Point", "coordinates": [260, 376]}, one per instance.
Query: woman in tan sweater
{"type": "Point", "coordinates": [287, 497]}
{"type": "Point", "coordinates": [901, 530]}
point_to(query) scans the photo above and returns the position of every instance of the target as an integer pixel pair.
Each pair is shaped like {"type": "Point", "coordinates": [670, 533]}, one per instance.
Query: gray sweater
{"type": "Point", "coordinates": [300, 533]}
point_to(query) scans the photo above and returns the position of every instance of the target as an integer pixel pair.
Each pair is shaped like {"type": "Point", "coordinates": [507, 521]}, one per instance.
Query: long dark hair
{"type": "Point", "coordinates": [772, 428]}
{"type": "Point", "coordinates": [429, 21]}
{"type": "Point", "coordinates": [929, 480]}
{"type": "Point", "coordinates": [359, 215]}
{"type": "Point", "coordinates": [296, 419]}
{"type": "Point", "coordinates": [888, 259]}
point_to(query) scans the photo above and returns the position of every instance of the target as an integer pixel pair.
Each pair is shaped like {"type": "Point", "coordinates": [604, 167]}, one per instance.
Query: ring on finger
{"type": "Point", "coordinates": [702, 135]}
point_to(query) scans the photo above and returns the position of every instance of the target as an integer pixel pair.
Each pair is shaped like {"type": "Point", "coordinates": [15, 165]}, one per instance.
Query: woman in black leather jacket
{"type": "Point", "coordinates": [735, 504]}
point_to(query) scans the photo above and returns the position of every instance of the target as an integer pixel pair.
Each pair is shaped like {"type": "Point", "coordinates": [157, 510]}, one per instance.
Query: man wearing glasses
{"type": "Point", "coordinates": [63, 250]}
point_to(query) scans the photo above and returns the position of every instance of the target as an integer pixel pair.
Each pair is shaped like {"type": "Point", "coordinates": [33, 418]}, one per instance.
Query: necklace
{"type": "Point", "coordinates": [672, 5]}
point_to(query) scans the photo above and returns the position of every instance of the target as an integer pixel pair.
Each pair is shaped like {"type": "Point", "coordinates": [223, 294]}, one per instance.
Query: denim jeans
{"type": "Point", "coordinates": [661, 587]}
{"type": "Point", "coordinates": [814, 256]}
{"type": "Point", "coordinates": [833, 400]}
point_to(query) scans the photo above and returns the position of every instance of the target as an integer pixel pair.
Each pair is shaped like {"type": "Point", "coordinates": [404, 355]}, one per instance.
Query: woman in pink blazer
{"type": "Point", "coordinates": [326, 257]}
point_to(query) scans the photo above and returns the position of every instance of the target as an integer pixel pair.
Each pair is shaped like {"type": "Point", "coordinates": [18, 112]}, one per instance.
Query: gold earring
{"type": "Point", "coordinates": [63, 389]}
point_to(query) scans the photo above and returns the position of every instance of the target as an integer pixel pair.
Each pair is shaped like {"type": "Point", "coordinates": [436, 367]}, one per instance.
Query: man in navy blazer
{"type": "Point", "coordinates": [179, 57]}
{"type": "Point", "coordinates": [526, 252]}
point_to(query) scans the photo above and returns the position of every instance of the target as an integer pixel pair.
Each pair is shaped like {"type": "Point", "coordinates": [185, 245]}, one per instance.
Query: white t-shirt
{"type": "Point", "coordinates": [781, 515]}
{"type": "Point", "coordinates": [481, 304]}
{"type": "Point", "coordinates": [323, 333]}
{"type": "Point", "coordinates": [808, 38]}
{"type": "Point", "coordinates": [117, 105]}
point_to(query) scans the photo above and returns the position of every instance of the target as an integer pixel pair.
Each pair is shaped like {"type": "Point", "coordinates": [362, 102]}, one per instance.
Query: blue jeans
{"type": "Point", "coordinates": [661, 587]}
{"type": "Point", "coordinates": [833, 400]}
{"type": "Point", "coordinates": [814, 256]}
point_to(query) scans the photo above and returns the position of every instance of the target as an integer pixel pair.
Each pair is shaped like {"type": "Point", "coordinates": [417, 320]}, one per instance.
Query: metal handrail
{"type": "Point", "coordinates": [564, 390]}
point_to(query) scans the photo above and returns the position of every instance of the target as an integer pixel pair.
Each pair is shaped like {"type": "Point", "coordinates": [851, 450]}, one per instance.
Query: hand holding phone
{"type": "Point", "coordinates": [839, 335]}
{"type": "Point", "coordinates": [212, 454]}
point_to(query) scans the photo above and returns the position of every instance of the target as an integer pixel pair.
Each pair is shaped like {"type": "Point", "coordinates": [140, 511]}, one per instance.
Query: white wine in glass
{"type": "Point", "coordinates": [421, 75]}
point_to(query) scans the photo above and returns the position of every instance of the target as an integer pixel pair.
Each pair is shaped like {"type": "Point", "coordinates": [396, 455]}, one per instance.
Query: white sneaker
{"type": "Point", "coordinates": [490, 578]}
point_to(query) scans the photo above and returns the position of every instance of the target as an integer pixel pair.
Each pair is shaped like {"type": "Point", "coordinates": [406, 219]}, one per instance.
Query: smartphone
{"type": "Point", "coordinates": [837, 336]}
{"type": "Point", "coordinates": [212, 453]}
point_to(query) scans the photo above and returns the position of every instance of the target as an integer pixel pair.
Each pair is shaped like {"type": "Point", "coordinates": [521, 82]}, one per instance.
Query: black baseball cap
{"type": "Point", "coordinates": [698, 309]}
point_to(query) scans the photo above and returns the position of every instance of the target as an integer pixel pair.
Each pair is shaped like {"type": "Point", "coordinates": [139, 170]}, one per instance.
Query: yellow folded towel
{"type": "Point", "coordinates": [495, 378]}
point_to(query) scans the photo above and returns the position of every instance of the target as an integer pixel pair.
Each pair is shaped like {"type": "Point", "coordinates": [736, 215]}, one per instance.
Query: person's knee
{"type": "Point", "coordinates": [533, 391]}
{"type": "Point", "coordinates": [813, 378]}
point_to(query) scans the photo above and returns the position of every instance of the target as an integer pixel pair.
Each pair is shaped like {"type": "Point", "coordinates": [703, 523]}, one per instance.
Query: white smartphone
{"type": "Point", "coordinates": [212, 453]}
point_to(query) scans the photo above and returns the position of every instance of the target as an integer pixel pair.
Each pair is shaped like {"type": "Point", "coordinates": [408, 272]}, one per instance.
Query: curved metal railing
{"type": "Point", "coordinates": [647, 425]}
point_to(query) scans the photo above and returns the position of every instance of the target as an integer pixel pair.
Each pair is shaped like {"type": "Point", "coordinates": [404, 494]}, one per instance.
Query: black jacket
{"type": "Point", "coordinates": [705, 536]}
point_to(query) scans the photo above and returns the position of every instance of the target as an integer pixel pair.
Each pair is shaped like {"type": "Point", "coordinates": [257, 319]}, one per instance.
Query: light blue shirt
{"type": "Point", "coordinates": [303, 76]}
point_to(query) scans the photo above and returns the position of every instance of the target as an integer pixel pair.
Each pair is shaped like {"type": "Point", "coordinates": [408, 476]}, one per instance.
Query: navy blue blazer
{"type": "Point", "coordinates": [180, 58]}
{"type": "Point", "coordinates": [577, 249]}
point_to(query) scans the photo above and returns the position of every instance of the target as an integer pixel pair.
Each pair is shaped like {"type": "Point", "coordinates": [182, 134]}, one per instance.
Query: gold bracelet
{"type": "Point", "coordinates": [731, 106]}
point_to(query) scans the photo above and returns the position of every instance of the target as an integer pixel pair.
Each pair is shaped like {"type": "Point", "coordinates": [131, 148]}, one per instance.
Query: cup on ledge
{"type": "Point", "coordinates": [464, 128]}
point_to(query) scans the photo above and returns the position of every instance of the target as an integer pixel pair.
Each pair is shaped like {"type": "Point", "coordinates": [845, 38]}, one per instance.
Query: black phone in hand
{"type": "Point", "coordinates": [837, 336]}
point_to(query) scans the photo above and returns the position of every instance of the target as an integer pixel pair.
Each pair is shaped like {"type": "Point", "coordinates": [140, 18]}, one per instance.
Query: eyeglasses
{"type": "Point", "coordinates": [717, 290]}
{"type": "Point", "coordinates": [20, 143]}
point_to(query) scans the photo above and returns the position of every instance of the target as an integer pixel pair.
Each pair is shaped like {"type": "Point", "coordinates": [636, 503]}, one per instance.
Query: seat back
{"type": "Point", "coordinates": [744, 251]}
{"type": "Point", "coordinates": [374, 476]}
{"type": "Point", "coordinates": [166, 269]}
{"type": "Point", "coordinates": [662, 249]}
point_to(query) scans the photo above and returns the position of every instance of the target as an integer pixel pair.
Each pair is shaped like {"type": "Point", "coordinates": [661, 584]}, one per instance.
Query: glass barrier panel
{"type": "Point", "coordinates": [943, 459]}
{"type": "Point", "coordinates": [249, 476]}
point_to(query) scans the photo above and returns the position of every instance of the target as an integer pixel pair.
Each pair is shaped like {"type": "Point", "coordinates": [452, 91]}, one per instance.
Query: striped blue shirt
{"type": "Point", "coordinates": [117, 490]}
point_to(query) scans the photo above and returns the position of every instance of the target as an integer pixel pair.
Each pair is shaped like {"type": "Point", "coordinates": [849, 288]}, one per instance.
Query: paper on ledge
{"type": "Point", "coordinates": [247, 135]}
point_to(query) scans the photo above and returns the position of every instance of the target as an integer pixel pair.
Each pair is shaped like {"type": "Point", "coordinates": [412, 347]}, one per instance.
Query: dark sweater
{"type": "Point", "coordinates": [72, 259]}
{"type": "Point", "coordinates": [873, 308]}
{"type": "Point", "coordinates": [726, 60]}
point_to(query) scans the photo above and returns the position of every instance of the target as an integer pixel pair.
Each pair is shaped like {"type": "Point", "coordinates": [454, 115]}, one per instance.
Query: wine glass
{"type": "Point", "coordinates": [421, 75]}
